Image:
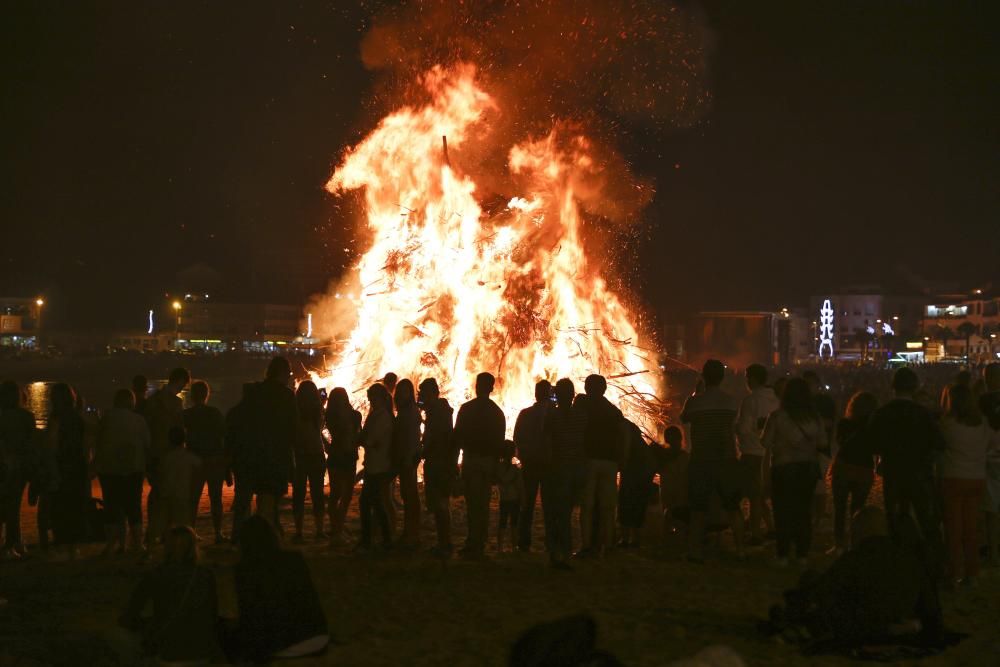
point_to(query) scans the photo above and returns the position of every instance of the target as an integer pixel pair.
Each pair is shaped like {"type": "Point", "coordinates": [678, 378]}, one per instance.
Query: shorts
{"type": "Point", "coordinates": [509, 511]}
{"type": "Point", "coordinates": [721, 478]}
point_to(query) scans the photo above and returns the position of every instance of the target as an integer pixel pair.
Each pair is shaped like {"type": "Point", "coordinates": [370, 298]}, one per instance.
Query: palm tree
{"type": "Point", "coordinates": [967, 330]}
{"type": "Point", "coordinates": [943, 334]}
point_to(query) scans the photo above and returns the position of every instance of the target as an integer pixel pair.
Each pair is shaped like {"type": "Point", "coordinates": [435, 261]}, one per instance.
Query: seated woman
{"type": "Point", "coordinates": [183, 627]}
{"type": "Point", "coordinates": [280, 611]}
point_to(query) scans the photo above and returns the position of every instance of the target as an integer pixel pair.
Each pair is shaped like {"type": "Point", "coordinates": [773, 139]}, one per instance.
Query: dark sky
{"type": "Point", "coordinates": [162, 147]}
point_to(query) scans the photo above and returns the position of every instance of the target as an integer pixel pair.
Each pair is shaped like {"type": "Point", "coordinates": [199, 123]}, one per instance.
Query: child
{"type": "Point", "coordinates": [510, 483]}
{"type": "Point", "coordinates": [673, 464]}
{"type": "Point", "coordinates": [178, 471]}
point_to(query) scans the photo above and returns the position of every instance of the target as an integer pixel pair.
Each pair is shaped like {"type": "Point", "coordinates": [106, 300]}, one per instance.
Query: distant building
{"type": "Point", "coordinates": [950, 317]}
{"type": "Point", "coordinates": [20, 321]}
{"type": "Point", "coordinates": [741, 338]}
{"type": "Point", "coordinates": [195, 323]}
{"type": "Point", "coordinates": [867, 317]}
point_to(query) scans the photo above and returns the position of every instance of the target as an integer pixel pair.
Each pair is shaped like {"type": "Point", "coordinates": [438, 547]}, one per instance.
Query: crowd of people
{"type": "Point", "coordinates": [762, 463]}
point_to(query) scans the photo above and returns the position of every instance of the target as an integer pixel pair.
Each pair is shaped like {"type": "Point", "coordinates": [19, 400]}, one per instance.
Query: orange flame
{"type": "Point", "coordinates": [445, 291]}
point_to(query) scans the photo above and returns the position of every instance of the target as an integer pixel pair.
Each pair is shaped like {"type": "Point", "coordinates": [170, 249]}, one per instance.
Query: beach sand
{"type": "Point", "coordinates": [410, 608]}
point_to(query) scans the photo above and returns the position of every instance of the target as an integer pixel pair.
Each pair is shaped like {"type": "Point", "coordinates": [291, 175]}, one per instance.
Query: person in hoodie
{"type": "Point", "coordinates": [405, 458]}
{"type": "Point", "coordinates": [753, 414]}
{"type": "Point", "coordinates": [440, 461]}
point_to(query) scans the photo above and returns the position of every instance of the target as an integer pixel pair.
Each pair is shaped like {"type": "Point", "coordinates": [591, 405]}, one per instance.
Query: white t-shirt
{"type": "Point", "coordinates": [965, 449]}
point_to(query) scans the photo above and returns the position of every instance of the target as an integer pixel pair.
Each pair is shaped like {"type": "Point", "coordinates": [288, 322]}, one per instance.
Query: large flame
{"type": "Point", "coordinates": [447, 291]}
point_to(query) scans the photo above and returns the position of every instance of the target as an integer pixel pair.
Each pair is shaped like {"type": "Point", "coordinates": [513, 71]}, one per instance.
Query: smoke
{"type": "Point", "coordinates": [601, 66]}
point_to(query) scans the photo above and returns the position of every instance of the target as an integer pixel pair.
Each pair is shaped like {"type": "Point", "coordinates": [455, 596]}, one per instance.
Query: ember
{"type": "Point", "coordinates": [447, 289]}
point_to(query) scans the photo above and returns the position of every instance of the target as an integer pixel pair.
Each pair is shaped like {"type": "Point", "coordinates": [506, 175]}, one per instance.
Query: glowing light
{"type": "Point", "coordinates": [150, 329]}
{"type": "Point", "coordinates": [826, 329]}
{"type": "Point", "coordinates": [177, 305]}
{"type": "Point", "coordinates": [39, 302]}
{"type": "Point", "coordinates": [448, 290]}
{"type": "Point", "coordinates": [887, 330]}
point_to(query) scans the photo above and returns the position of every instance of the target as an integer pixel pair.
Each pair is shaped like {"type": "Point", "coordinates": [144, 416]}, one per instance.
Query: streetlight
{"type": "Point", "coordinates": [39, 302]}
{"type": "Point", "coordinates": [177, 323]}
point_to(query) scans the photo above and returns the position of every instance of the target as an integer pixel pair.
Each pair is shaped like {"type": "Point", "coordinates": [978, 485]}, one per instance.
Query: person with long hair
{"type": "Point", "coordinates": [182, 592]}
{"type": "Point", "coordinates": [406, 457]}
{"type": "Point", "coordinates": [853, 470]}
{"type": "Point", "coordinates": [310, 460]}
{"type": "Point", "coordinates": [71, 497]}
{"type": "Point", "coordinates": [963, 479]}
{"type": "Point", "coordinates": [17, 458]}
{"type": "Point", "coordinates": [794, 434]}
{"type": "Point", "coordinates": [440, 461]}
{"type": "Point", "coordinates": [344, 424]}
{"type": "Point", "coordinates": [376, 438]}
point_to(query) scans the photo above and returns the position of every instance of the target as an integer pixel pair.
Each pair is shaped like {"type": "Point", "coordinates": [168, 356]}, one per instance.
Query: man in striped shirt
{"type": "Point", "coordinates": [713, 467]}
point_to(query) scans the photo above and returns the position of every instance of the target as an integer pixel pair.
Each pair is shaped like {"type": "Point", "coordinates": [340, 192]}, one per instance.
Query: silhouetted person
{"type": "Point", "coordinates": [794, 434]}
{"type": "Point", "coordinates": [376, 438]}
{"type": "Point", "coordinates": [636, 486]}
{"type": "Point", "coordinates": [280, 615]}
{"type": "Point", "coordinates": [389, 381]}
{"type": "Point", "coordinates": [120, 461]}
{"type": "Point", "coordinates": [164, 410]}
{"type": "Point", "coordinates": [206, 438]}
{"type": "Point", "coordinates": [826, 408]}
{"type": "Point", "coordinates": [529, 438]}
{"type": "Point", "coordinates": [440, 461]}
{"type": "Point", "coordinates": [565, 433]}
{"type": "Point", "coordinates": [18, 462]}
{"type": "Point", "coordinates": [182, 593]}
{"type": "Point", "coordinates": [567, 642]}
{"type": "Point", "coordinates": [479, 433]}
{"type": "Point", "coordinates": [510, 489]}
{"type": "Point", "coordinates": [406, 457]}
{"type": "Point", "coordinates": [140, 387]}
{"type": "Point", "coordinates": [673, 463]}
{"type": "Point", "coordinates": [713, 468]}
{"type": "Point", "coordinates": [310, 459]}
{"type": "Point", "coordinates": [176, 474]}
{"type": "Point", "coordinates": [962, 467]}
{"type": "Point", "coordinates": [605, 442]}
{"type": "Point", "coordinates": [274, 421]}
{"type": "Point", "coordinates": [909, 441]}
{"type": "Point", "coordinates": [854, 465]}
{"type": "Point", "coordinates": [989, 405]}
{"type": "Point", "coordinates": [754, 411]}
{"type": "Point", "coordinates": [239, 447]}
{"type": "Point", "coordinates": [344, 424]}
{"type": "Point", "coordinates": [71, 497]}
{"type": "Point", "coordinates": [875, 593]}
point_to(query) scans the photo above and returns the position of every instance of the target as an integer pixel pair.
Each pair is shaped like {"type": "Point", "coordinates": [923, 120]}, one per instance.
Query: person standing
{"type": "Point", "coordinates": [206, 437]}
{"type": "Point", "coordinates": [479, 434]}
{"type": "Point", "coordinates": [406, 457]}
{"type": "Point", "coordinates": [164, 410]}
{"type": "Point", "coordinates": [989, 405]}
{"type": "Point", "coordinates": [636, 486]}
{"type": "Point", "coordinates": [71, 497]}
{"type": "Point", "coordinates": [344, 424]}
{"type": "Point", "coordinates": [510, 489]}
{"type": "Point", "coordinates": [565, 432]}
{"type": "Point", "coordinates": [967, 438]}
{"type": "Point", "coordinates": [909, 441]}
{"type": "Point", "coordinates": [310, 460]}
{"type": "Point", "coordinates": [712, 468]}
{"type": "Point", "coordinates": [826, 408]}
{"type": "Point", "coordinates": [140, 385]}
{"type": "Point", "coordinates": [440, 461]}
{"type": "Point", "coordinates": [177, 472]}
{"type": "Point", "coordinates": [794, 434]}
{"type": "Point", "coordinates": [120, 461]}
{"type": "Point", "coordinates": [239, 444]}
{"type": "Point", "coordinates": [605, 442]}
{"type": "Point", "coordinates": [17, 464]}
{"type": "Point", "coordinates": [376, 438]}
{"type": "Point", "coordinates": [754, 411]}
{"type": "Point", "coordinates": [272, 436]}
{"type": "Point", "coordinates": [853, 471]}
{"type": "Point", "coordinates": [529, 432]}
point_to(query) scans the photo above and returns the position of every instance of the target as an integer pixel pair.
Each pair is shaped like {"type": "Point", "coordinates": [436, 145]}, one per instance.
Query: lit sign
{"type": "Point", "coordinates": [826, 329]}
{"type": "Point", "coordinates": [309, 325]}
{"type": "Point", "coordinates": [914, 345]}
{"type": "Point", "coordinates": [150, 330]}
{"type": "Point", "coordinates": [887, 330]}
{"type": "Point", "coordinates": [870, 330]}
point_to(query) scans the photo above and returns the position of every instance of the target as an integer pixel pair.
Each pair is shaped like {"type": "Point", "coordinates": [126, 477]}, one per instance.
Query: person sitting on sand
{"type": "Point", "coordinates": [280, 615]}
{"type": "Point", "coordinates": [876, 592]}
{"type": "Point", "coordinates": [182, 628]}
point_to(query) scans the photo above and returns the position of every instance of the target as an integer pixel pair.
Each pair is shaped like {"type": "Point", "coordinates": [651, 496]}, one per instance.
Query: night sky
{"type": "Point", "coordinates": [182, 146]}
